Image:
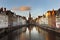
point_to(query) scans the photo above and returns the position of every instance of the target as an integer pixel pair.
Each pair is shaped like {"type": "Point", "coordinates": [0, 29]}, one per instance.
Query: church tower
{"type": "Point", "coordinates": [29, 15]}
{"type": "Point", "coordinates": [29, 18]}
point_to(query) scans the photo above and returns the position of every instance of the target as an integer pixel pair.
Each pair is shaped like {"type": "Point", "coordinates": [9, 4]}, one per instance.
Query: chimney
{"type": "Point", "coordinates": [1, 9]}
{"type": "Point", "coordinates": [4, 9]}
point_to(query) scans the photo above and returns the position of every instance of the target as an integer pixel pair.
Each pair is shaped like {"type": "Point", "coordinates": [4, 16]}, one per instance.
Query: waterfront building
{"type": "Point", "coordinates": [38, 19]}
{"type": "Point", "coordinates": [3, 19]}
{"type": "Point", "coordinates": [11, 18]}
{"type": "Point", "coordinates": [52, 18]}
{"type": "Point", "coordinates": [58, 19]}
{"type": "Point", "coordinates": [43, 20]}
{"type": "Point", "coordinates": [18, 19]}
{"type": "Point", "coordinates": [22, 20]}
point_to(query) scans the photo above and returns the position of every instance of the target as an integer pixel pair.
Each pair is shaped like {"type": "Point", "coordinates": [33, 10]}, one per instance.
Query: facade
{"type": "Point", "coordinates": [38, 19]}
{"type": "Point", "coordinates": [52, 18]}
{"type": "Point", "coordinates": [42, 20]}
{"type": "Point", "coordinates": [3, 19]}
{"type": "Point", "coordinates": [14, 18]}
{"type": "Point", "coordinates": [11, 18]}
{"type": "Point", "coordinates": [58, 19]}
{"type": "Point", "coordinates": [18, 19]}
{"type": "Point", "coordinates": [22, 20]}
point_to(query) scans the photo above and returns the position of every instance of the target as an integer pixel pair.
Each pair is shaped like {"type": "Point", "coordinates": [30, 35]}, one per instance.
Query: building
{"type": "Point", "coordinates": [24, 20]}
{"type": "Point", "coordinates": [30, 19]}
{"type": "Point", "coordinates": [52, 18]}
{"type": "Point", "coordinates": [38, 20]}
{"type": "Point", "coordinates": [3, 19]}
{"type": "Point", "coordinates": [18, 19]}
{"type": "Point", "coordinates": [42, 20]}
{"type": "Point", "coordinates": [21, 20]}
{"type": "Point", "coordinates": [11, 18]}
{"type": "Point", "coordinates": [58, 19]}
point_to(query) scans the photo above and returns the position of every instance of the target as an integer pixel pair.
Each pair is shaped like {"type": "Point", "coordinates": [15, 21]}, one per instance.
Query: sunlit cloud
{"type": "Point", "coordinates": [22, 8]}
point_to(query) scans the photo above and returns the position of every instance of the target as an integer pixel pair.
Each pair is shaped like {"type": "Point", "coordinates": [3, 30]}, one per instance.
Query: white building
{"type": "Point", "coordinates": [14, 20]}
{"type": "Point", "coordinates": [43, 20]}
{"type": "Point", "coordinates": [57, 22]}
{"type": "Point", "coordinates": [20, 20]}
{"type": "Point", "coordinates": [3, 20]}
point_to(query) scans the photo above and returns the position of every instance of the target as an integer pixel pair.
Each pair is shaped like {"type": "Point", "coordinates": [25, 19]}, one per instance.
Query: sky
{"type": "Point", "coordinates": [38, 7]}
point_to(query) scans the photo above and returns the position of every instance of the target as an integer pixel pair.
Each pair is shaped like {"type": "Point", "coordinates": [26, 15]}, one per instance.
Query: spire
{"type": "Point", "coordinates": [29, 15]}
{"type": "Point", "coordinates": [29, 18]}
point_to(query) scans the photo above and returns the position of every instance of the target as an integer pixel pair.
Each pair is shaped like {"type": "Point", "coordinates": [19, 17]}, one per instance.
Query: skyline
{"type": "Point", "coordinates": [38, 7]}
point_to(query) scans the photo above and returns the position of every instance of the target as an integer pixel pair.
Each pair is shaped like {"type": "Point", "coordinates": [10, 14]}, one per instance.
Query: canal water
{"type": "Point", "coordinates": [27, 33]}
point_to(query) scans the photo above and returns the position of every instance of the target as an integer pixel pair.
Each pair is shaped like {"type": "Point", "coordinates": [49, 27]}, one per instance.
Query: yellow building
{"type": "Point", "coordinates": [51, 18]}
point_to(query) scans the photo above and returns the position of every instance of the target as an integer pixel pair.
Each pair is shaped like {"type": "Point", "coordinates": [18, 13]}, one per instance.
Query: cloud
{"type": "Point", "coordinates": [22, 8]}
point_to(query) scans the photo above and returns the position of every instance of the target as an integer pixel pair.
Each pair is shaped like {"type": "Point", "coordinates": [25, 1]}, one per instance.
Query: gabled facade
{"type": "Point", "coordinates": [3, 19]}
{"type": "Point", "coordinates": [52, 18]}
{"type": "Point", "coordinates": [58, 19]}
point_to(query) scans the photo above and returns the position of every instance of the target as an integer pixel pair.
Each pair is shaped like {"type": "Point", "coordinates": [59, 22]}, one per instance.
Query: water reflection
{"type": "Point", "coordinates": [30, 33]}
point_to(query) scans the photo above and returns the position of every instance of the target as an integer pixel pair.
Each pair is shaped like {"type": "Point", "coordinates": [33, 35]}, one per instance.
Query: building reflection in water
{"type": "Point", "coordinates": [32, 33]}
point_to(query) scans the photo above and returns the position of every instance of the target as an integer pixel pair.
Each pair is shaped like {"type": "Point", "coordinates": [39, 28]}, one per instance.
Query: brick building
{"type": "Point", "coordinates": [52, 18]}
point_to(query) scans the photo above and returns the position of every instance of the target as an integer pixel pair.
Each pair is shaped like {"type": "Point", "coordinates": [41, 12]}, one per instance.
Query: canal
{"type": "Point", "coordinates": [28, 33]}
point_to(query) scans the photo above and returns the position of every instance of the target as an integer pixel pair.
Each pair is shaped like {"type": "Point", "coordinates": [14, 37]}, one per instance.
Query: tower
{"type": "Point", "coordinates": [29, 15]}
{"type": "Point", "coordinates": [29, 18]}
